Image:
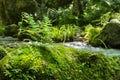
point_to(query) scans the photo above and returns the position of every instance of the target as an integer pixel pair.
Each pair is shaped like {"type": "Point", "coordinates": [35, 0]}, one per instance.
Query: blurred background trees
{"type": "Point", "coordinates": [79, 12]}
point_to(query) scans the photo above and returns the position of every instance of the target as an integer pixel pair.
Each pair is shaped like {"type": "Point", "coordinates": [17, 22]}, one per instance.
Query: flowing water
{"type": "Point", "coordinates": [83, 46]}
{"type": "Point", "coordinates": [13, 42]}
{"type": "Point", "coordinates": [5, 40]}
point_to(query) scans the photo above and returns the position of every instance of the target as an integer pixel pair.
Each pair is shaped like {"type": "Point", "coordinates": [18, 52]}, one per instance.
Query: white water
{"type": "Point", "coordinates": [13, 42]}
{"type": "Point", "coordinates": [84, 46]}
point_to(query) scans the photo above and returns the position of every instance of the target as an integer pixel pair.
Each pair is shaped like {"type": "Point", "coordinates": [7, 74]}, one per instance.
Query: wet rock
{"type": "Point", "coordinates": [109, 36]}
{"type": "Point", "coordinates": [29, 35]}
{"type": "Point", "coordinates": [11, 30]}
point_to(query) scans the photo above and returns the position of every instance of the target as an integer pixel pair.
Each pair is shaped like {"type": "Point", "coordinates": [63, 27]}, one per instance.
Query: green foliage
{"type": "Point", "coordinates": [2, 29]}
{"type": "Point", "coordinates": [2, 52]}
{"type": "Point", "coordinates": [45, 30]}
{"type": "Point", "coordinates": [39, 61]}
{"type": "Point", "coordinates": [37, 31]}
{"type": "Point", "coordinates": [27, 27]}
{"type": "Point", "coordinates": [92, 33]}
{"type": "Point", "coordinates": [18, 65]}
{"type": "Point", "coordinates": [105, 18]}
{"type": "Point", "coordinates": [88, 11]}
{"type": "Point", "coordinates": [27, 21]}
{"type": "Point", "coordinates": [64, 33]}
{"type": "Point", "coordinates": [93, 12]}
{"type": "Point", "coordinates": [66, 16]}
{"type": "Point", "coordinates": [115, 16]}
{"type": "Point", "coordinates": [95, 9]}
{"type": "Point", "coordinates": [62, 16]}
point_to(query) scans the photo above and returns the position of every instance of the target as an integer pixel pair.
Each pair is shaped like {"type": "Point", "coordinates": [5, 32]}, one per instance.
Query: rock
{"type": "Point", "coordinates": [28, 35]}
{"type": "Point", "coordinates": [114, 21]}
{"type": "Point", "coordinates": [109, 36]}
{"type": "Point", "coordinates": [11, 30]}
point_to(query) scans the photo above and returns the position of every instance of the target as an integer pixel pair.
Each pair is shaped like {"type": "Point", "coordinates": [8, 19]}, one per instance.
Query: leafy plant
{"type": "Point", "coordinates": [20, 64]}
{"type": "Point", "coordinates": [37, 31]}
{"type": "Point", "coordinates": [45, 29]}
{"type": "Point", "coordinates": [27, 21]}
{"type": "Point", "coordinates": [92, 32]}
{"type": "Point", "coordinates": [64, 33]}
{"type": "Point", "coordinates": [62, 16]}
{"type": "Point", "coordinates": [2, 52]}
{"type": "Point", "coordinates": [105, 18]}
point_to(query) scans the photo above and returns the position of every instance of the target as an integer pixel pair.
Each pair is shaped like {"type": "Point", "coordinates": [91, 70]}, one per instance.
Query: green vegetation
{"type": "Point", "coordinates": [43, 30]}
{"type": "Point", "coordinates": [2, 30]}
{"type": "Point", "coordinates": [39, 61]}
{"type": "Point", "coordinates": [2, 52]}
{"type": "Point", "coordinates": [40, 25]}
{"type": "Point", "coordinates": [92, 33]}
{"type": "Point", "coordinates": [64, 33]}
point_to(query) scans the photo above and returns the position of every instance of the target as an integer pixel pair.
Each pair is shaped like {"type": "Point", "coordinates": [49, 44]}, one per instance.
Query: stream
{"type": "Point", "coordinates": [83, 46]}
{"type": "Point", "coordinates": [13, 42]}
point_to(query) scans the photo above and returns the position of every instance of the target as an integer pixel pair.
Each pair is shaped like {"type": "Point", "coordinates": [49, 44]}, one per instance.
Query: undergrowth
{"type": "Point", "coordinates": [43, 31]}
{"type": "Point", "coordinates": [64, 33]}
{"type": "Point", "coordinates": [39, 61]}
{"type": "Point", "coordinates": [92, 33]}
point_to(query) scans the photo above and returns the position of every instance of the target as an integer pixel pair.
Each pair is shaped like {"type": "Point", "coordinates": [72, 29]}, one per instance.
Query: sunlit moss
{"type": "Point", "coordinates": [57, 62]}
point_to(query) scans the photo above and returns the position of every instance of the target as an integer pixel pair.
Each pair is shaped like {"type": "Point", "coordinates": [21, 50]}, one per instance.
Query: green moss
{"type": "Point", "coordinates": [2, 52]}
{"type": "Point", "coordinates": [55, 62]}
{"type": "Point", "coordinates": [2, 28]}
{"type": "Point", "coordinates": [97, 66]}
{"type": "Point", "coordinates": [3, 62]}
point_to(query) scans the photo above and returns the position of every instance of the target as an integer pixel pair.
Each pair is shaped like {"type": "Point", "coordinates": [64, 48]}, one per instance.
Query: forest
{"type": "Point", "coordinates": [59, 40]}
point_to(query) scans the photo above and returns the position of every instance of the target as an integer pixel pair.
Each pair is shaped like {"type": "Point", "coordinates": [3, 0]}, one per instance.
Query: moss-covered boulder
{"type": "Point", "coordinates": [39, 61]}
{"type": "Point", "coordinates": [11, 30]}
{"type": "Point", "coordinates": [109, 36]}
{"type": "Point", "coordinates": [29, 35]}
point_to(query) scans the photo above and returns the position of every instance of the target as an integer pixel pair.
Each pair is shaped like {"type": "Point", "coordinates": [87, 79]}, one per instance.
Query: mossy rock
{"type": "Point", "coordinates": [30, 35]}
{"type": "Point", "coordinates": [109, 36]}
{"type": "Point", "coordinates": [96, 65]}
{"type": "Point", "coordinates": [11, 30]}
{"type": "Point", "coordinates": [55, 62]}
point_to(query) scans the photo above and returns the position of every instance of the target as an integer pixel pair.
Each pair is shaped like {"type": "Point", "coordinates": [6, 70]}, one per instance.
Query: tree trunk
{"type": "Point", "coordinates": [77, 7]}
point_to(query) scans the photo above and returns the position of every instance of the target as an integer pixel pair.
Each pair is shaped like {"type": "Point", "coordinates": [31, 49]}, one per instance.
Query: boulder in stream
{"type": "Point", "coordinates": [11, 30]}
{"type": "Point", "coordinates": [109, 36]}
